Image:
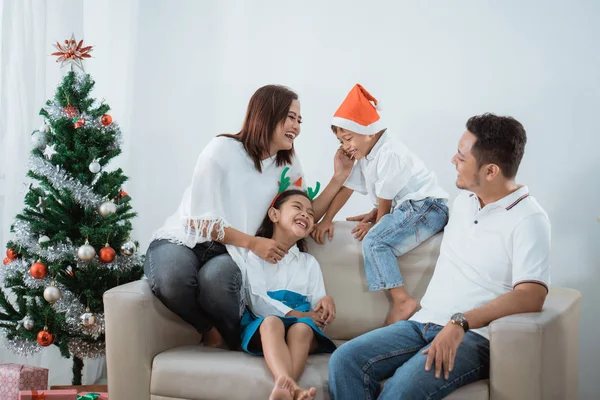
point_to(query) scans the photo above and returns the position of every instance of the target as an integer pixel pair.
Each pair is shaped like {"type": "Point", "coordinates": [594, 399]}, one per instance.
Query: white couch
{"type": "Point", "coordinates": [153, 354]}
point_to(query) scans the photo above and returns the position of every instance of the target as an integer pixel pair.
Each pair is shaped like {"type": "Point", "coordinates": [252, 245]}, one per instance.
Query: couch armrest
{"type": "Point", "coordinates": [535, 355]}
{"type": "Point", "coordinates": [138, 327]}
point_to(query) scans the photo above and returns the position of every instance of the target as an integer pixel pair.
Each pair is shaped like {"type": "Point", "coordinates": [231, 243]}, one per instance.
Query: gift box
{"type": "Point", "coordinates": [48, 394]}
{"type": "Point", "coordinates": [92, 396]}
{"type": "Point", "coordinates": [17, 377]}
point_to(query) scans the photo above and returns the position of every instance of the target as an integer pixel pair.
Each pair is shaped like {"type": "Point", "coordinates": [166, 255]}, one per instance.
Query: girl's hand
{"type": "Point", "coordinates": [316, 318]}
{"type": "Point", "coordinates": [267, 249]}
{"type": "Point", "coordinates": [361, 230]}
{"type": "Point", "coordinates": [342, 165]}
{"type": "Point", "coordinates": [323, 228]}
{"type": "Point", "coordinates": [326, 309]}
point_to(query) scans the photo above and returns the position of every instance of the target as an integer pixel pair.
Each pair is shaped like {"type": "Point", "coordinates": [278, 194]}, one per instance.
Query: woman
{"type": "Point", "coordinates": [191, 261]}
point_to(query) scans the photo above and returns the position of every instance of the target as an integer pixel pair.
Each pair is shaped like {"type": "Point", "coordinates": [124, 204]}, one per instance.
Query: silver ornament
{"type": "Point", "coordinates": [95, 167]}
{"type": "Point", "coordinates": [43, 128]}
{"type": "Point", "coordinates": [128, 248]}
{"type": "Point", "coordinates": [43, 239]}
{"type": "Point", "coordinates": [107, 208]}
{"type": "Point", "coordinates": [86, 252]}
{"type": "Point", "coordinates": [41, 204]}
{"type": "Point", "coordinates": [39, 139]}
{"type": "Point", "coordinates": [52, 294]}
{"type": "Point", "coordinates": [87, 318]}
{"type": "Point", "coordinates": [28, 323]}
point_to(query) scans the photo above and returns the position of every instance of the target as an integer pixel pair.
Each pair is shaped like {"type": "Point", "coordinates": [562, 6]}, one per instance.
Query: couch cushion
{"type": "Point", "coordinates": [358, 310]}
{"type": "Point", "coordinates": [198, 372]}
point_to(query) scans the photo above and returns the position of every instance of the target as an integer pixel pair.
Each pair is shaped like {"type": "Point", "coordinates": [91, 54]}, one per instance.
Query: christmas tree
{"type": "Point", "coordinates": [71, 241]}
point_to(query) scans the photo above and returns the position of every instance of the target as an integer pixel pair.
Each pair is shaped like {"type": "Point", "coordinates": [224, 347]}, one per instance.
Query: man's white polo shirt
{"type": "Point", "coordinates": [485, 253]}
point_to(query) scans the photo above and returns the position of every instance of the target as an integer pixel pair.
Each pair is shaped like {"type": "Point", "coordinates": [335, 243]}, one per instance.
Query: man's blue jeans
{"type": "Point", "coordinates": [357, 368]}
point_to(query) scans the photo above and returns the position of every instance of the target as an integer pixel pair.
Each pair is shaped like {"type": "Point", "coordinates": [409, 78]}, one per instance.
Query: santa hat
{"type": "Point", "coordinates": [358, 114]}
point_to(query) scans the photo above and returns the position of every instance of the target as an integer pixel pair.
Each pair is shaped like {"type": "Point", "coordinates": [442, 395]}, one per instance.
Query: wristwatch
{"type": "Point", "coordinates": [460, 319]}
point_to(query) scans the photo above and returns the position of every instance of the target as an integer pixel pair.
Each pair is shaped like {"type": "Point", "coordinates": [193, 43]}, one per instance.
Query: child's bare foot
{"type": "Point", "coordinates": [401, 311]}
{"type": "Point", "coordinates": [301, 394]}
{"type": "Point", "coordinates": [213, 338]}
{"type": "Point", "coordinates": [283, 389]}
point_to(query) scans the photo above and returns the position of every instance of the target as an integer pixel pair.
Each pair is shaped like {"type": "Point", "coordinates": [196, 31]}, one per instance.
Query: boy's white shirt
{"type": "Point", "coordinates": [392, 172]}
{"type": "Point", "coordinates": [297, 272]}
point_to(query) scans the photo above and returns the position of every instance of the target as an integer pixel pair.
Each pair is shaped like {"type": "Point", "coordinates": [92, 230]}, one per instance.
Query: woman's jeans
{"type": "Point", "coordinates": [397, 233]}
{"type": "Point", "coordinates": [202, 285]}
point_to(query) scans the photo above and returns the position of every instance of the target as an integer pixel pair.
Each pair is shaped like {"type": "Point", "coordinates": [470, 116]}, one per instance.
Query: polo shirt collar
{"type": "Point", "coordinates": [507, 202]}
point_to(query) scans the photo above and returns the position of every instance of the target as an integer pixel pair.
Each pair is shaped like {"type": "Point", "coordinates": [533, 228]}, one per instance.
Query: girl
{"type": "Point", "coordinates": [287, 303]}
{"type": "Point", "coordinates": [191, 263]}
{"type": "Point", "coordinates": [409, 205]}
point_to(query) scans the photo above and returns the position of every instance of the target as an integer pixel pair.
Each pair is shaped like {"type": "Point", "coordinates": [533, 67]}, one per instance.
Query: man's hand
{"type": "Point", "coordinates": [268, 249]}
{"type": "Point", "coordinates": [371, 216]}
{"type": "Point", "coordinates": [361, 230]}
{"type": "Point", "coordinates": [326, 309]}
{"type": "Point", "coordinates": [442, 350]}
{"type": "Point", "coordinates": [323, 228]}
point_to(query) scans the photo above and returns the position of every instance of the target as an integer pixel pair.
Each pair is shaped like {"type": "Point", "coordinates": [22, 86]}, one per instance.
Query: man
{"type": "Point", "coordinates": [494, 262]}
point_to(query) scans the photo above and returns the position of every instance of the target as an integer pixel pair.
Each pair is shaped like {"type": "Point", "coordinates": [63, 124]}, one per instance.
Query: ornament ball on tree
{"type": "Point", "coordinates": [52, 294]}
{"type": "Point", "coordinates": [107, 254]}
{"type": "Point", "coordinates": [45, 338]}
{"type": "Point", "coordinates": [11, 254]}
{"type": "Point", "coordinates": [106, 120]}
{"type": "Point", "coordinates": [38, 270]}
{"type": "Point", "coordinates": [86, 252]}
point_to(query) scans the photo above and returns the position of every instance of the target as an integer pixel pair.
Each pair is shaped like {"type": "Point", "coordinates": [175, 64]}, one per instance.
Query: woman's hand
{"type": "Point", "coordinates": [267, 249]}
{"type": "Point", "coordinates": [342, 165]}
{"type": "Point", "coordinates": [326, 309]}
{"type": "Point", "coordinates": [323, 228]}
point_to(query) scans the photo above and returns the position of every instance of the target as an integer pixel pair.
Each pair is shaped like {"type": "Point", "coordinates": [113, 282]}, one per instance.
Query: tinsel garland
{"type": "Point", "coordinates": [56, 111]}
{"type": "Point", "coordinates": [82, 194]}
{"type": "Point", "coordinates": [83, 349]}
{"type": "Point", "coordinates": [25, 239]}
{"type": "Point", "coordinates": [20, 346]}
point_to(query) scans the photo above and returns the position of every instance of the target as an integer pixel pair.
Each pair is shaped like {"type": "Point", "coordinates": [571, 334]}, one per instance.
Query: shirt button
{"type": "Point", "coordinates": [475, 222]}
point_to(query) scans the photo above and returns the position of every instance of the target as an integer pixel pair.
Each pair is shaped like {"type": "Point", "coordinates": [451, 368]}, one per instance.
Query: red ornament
{"type": "Point", "coordinates": [38, 270]}
{"type": "Point", "coordinates": [45, 338]}
{"type": "Point", "coordinates": [121, 194]}
{"type": "Point", "coordinates": [107, 254]}
{"type": "Point", "coordinates": [80, 122]}
{"type": "Point", "coordinates": [11, 254]}
{"type": "Point", "coordinates": [7, 260]}
{"type": "Point", "coordinates": [106, 120]}
{"type": "Point", "coordinates": [71, 111]}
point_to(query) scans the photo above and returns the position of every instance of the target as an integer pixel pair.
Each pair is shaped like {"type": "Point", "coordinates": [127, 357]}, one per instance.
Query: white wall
{"type": "Point", "coordinates": [178, 73]}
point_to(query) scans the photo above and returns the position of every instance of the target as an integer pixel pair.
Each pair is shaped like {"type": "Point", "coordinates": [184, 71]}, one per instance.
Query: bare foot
{"type": "Point", "coordinates": [301, 394]}
{"type": "Point", "coordinates": [213, 338]}
{"type": "Point", "coordinates": [283, 389]}
{"type": "Point", "coordinates": [401, 311]}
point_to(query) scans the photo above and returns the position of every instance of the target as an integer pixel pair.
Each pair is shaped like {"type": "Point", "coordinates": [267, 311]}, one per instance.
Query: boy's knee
{"type": "Point", "coordinates": [370, 240]}
{"type": "Point", "coordinates": [341, 359]}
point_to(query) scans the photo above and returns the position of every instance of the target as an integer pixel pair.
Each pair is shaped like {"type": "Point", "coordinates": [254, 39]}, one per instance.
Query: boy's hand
{"type": "Point", "coordinates": [323, 228]}
{"type": "Point", "coordinates": [371, 216]}
{"type": "Point", "coordinates": [342, 165]}
{"type": "Point", "coordinates": [361, 230]}
{"type": "Point", "coordinates": [326, 308]}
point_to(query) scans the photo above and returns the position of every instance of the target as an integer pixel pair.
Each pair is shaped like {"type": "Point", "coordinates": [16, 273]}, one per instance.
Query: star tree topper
{"type": "Point", "coordinates": [72, 52]}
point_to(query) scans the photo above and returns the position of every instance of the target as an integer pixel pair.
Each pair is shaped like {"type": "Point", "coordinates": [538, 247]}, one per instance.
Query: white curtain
{"type": "Point", "coordinates": [28, 77]}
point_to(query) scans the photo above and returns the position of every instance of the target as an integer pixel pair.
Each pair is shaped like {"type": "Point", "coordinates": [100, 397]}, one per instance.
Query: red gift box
{"type": "Point", "coordinates": [70, 394]}
{"type": "Point", "coordinates": [17, 377]}
{"type": "Point", "coordinates": [103, 395]}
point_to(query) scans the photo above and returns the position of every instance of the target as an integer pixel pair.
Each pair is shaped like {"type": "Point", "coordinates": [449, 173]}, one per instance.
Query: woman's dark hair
{"type": "Point", "coordinates": [267, 108]}
{"type": "Point", "coordinates": [500, 141]}
{"type": "Point", "coordinates": [267, 226]}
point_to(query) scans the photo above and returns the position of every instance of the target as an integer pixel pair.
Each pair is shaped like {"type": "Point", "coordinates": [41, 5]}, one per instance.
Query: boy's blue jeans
{"type": "Point", "coordinates": [357, 368]}
{"type": "Point", "coordinates": [397, 233]}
